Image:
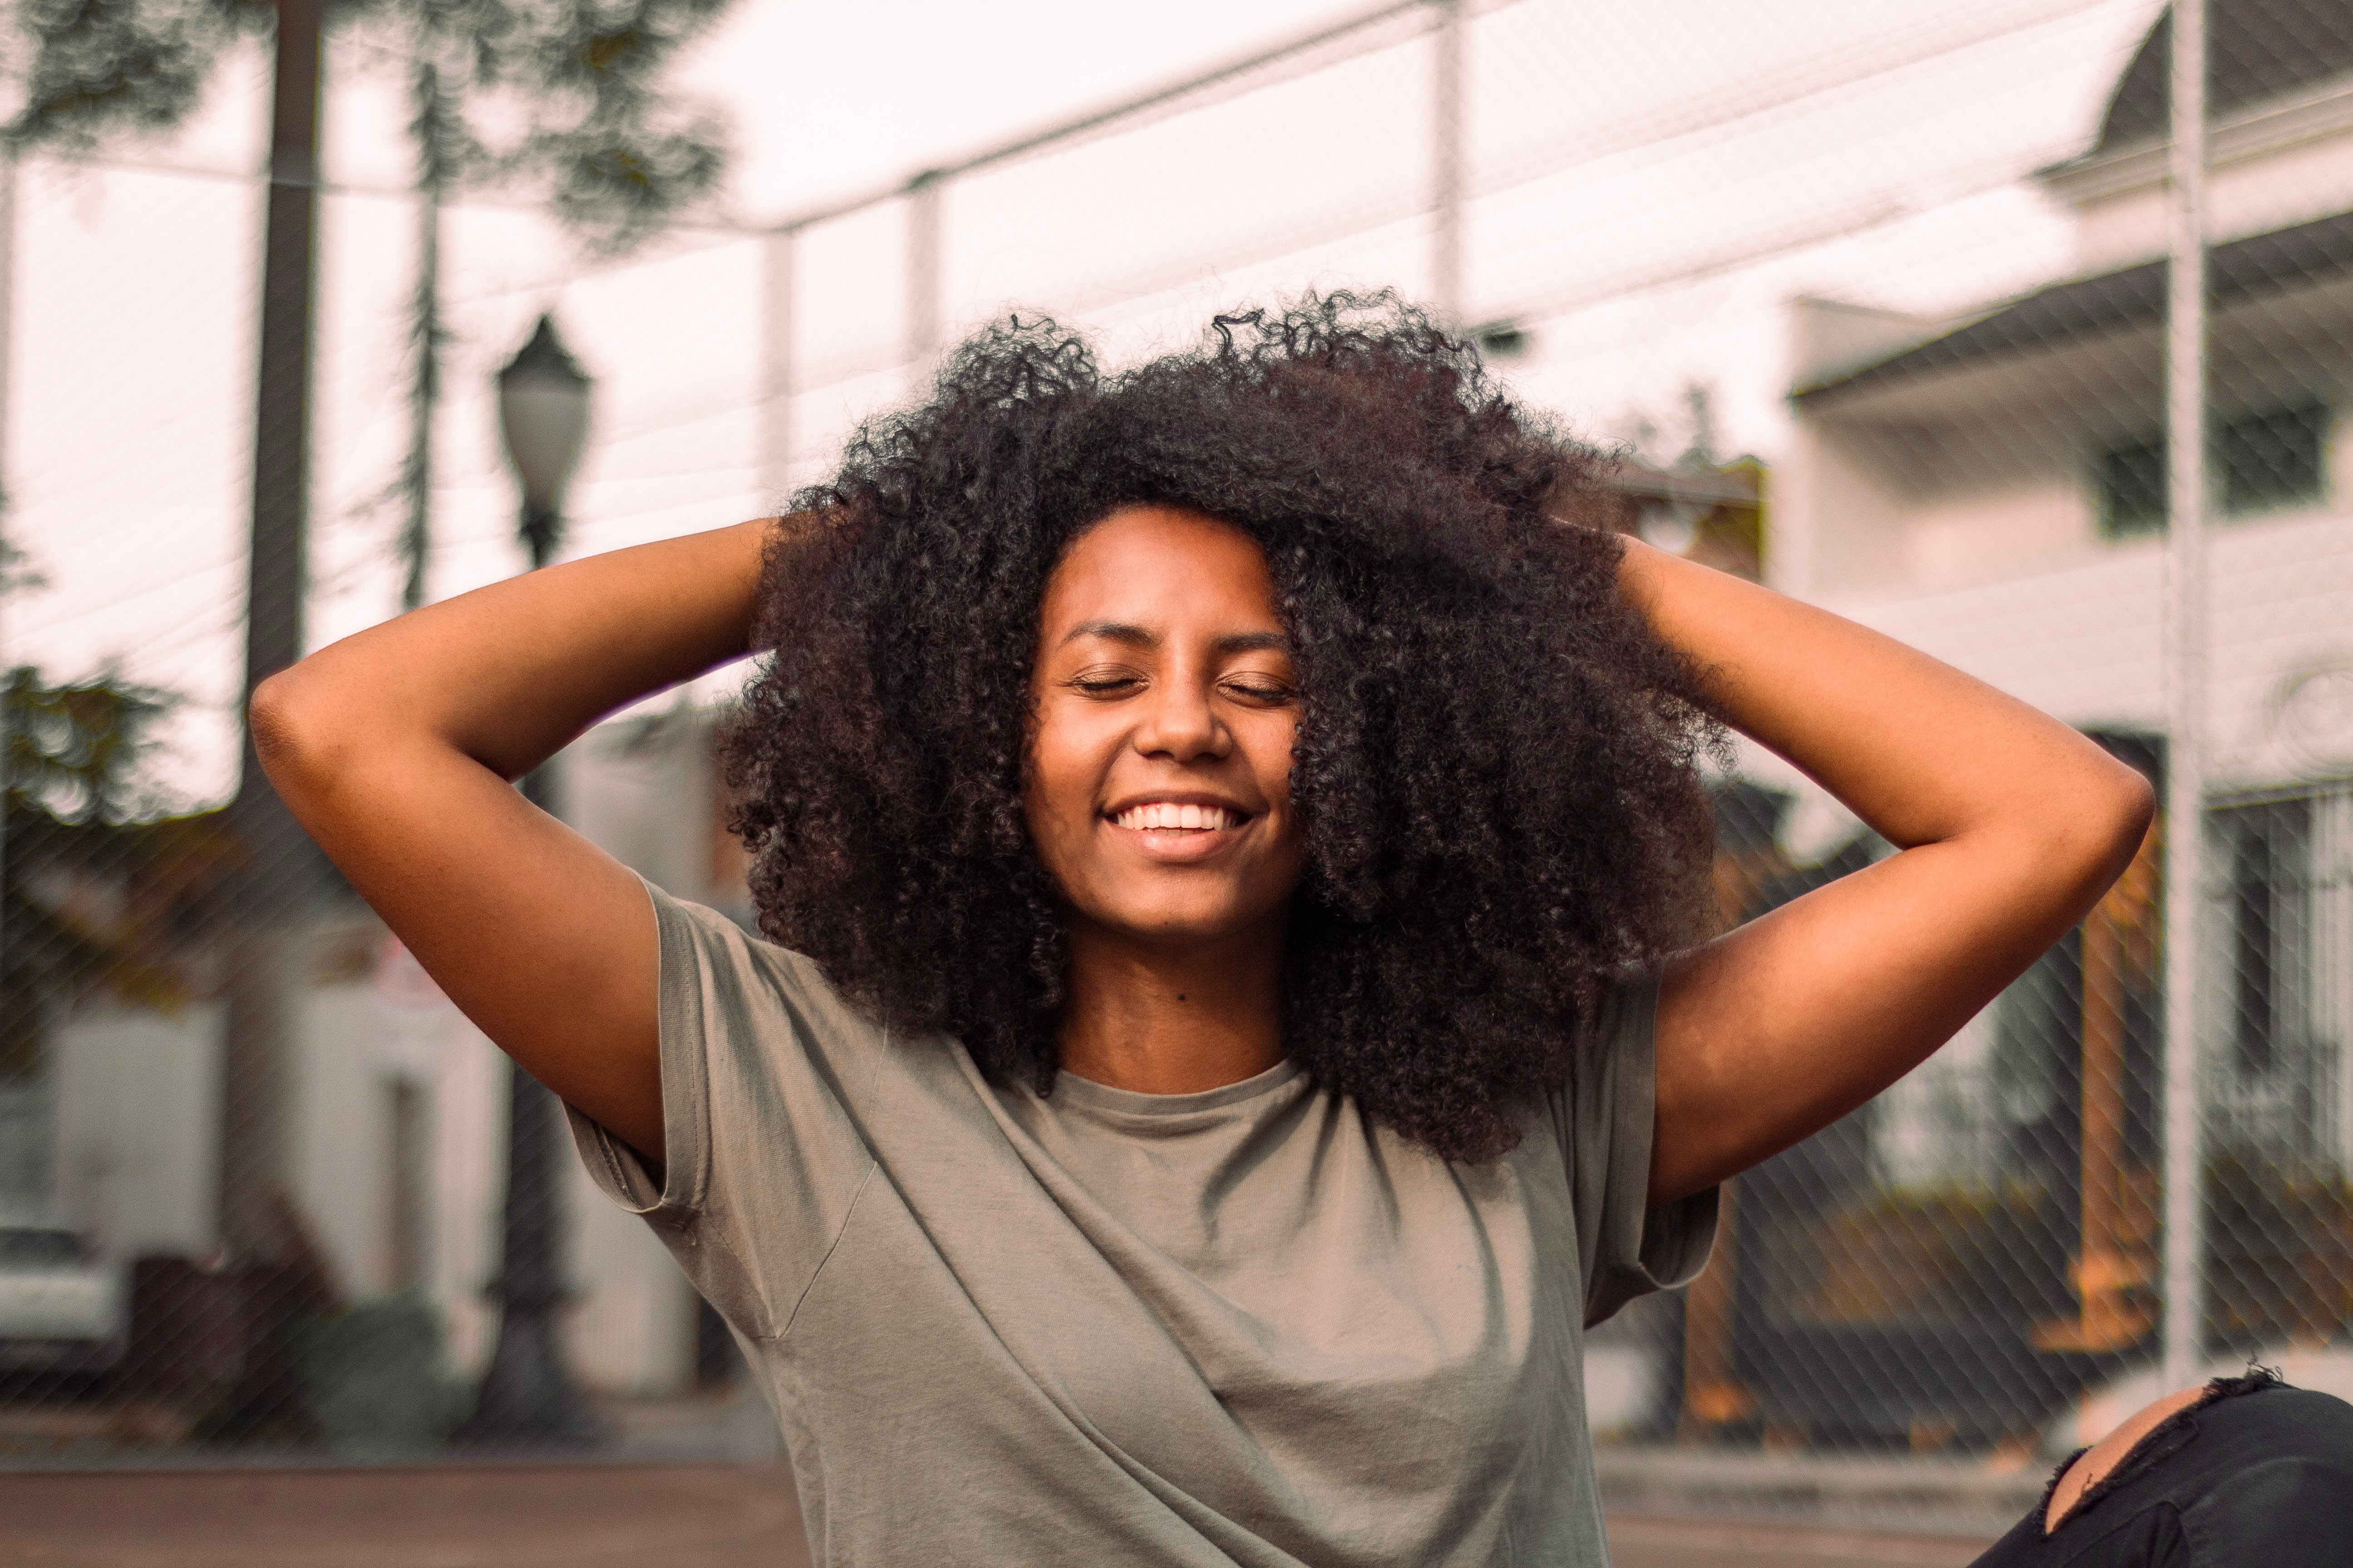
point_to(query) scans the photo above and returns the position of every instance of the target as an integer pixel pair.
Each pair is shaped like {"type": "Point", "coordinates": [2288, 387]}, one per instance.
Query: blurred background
{"type": "Point", "coordinates": [314, 312]}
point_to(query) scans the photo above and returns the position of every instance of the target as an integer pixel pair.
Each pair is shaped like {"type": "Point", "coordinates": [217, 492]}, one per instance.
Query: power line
{"type": "Point", "coordinates": [1134, 109]}
{"type": "Point", "coordinates": [1862, 64]}
{"type": "Point", "coordinates": [1875, 211]}
{"type": "Point", "coordinates": [1833, 73]}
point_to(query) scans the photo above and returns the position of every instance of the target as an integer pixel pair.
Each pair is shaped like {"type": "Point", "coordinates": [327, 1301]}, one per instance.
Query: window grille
{"type": "Point", "coordinates": [2261, 463]}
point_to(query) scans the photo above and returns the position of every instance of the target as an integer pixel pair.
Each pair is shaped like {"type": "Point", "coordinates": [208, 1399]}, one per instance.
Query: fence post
{"type": "Point", "coordinates": [1446, 163]}
{"type": "Point", "coordinates": [2185, 432]}
{"type": "Point", "coordinates": [776, 454]}
{"type": "Point", "coordinates": [7, 348]}
{"type": "Point", "coordinates": [923, 278]}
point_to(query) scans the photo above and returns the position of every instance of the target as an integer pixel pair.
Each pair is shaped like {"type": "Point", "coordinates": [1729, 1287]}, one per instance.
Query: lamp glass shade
{"type": "Point", "coordinates": [543, 417]}
{"type": "Point", "coordinates": [545, 427]}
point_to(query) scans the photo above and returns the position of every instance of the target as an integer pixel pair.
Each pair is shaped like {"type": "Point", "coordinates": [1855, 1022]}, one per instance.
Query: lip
{"type": "Point", "coordinates": [1181, 846]}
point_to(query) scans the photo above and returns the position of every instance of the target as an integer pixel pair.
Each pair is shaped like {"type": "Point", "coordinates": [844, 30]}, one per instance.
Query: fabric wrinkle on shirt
{"type": "Point", "coordinates": [1246, 1325]}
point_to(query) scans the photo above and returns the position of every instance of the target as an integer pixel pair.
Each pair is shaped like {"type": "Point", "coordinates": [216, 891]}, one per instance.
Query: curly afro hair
{"type": "Point", "coordinates": [1496, 761]}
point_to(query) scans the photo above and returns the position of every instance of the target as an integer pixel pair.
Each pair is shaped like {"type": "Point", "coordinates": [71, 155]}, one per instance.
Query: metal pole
{"type": "Point", "coordinates": [7, 362]}
{"type": "Point", "coordinates": [281, 864]}
{"type": "Point", "coordinates": [776, 364]}
{"type": "Point", "coordinates": [527, 1395]}
{"type": "Point", "coordinates": [2185, 433]}
{"type": "Point", "coordinates": [1446, 163]}
{"type": "Point", "coordinates": [923, 279]}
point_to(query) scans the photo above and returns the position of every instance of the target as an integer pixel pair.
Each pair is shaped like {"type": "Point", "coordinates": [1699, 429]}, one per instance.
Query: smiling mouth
{"type": "Point", "coordinates": [1166, 817]}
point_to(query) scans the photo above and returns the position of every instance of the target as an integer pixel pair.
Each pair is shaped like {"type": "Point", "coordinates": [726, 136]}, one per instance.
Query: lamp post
{"type": "Point", "coordinates": [527, 1396]}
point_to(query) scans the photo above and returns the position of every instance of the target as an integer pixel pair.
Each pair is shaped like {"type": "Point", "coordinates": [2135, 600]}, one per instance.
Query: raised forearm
{"type": "Point", "coordinates": [393, 748]}
{"type": "Point", "coordinates": [1915, 748]}
{"type": "Point", "coordinates": [2010, 824]}
{"type": "Point", "coordinates": [510, 673]}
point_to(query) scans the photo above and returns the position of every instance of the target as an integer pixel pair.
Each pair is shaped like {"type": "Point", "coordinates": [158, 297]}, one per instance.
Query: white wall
{"type": "Point", "coordinates": [1835, 520]}
{"type": "Point", "coordinates": [2311, 177]}
{"type": "Point", "coordinates": [642, 789]}
{"type": "Point", "coordinates": [2038, 523]}
{"type": "Point", "coordinates": [137, 1109]}
{"type": "Point", "coordinates": [2084, 642]}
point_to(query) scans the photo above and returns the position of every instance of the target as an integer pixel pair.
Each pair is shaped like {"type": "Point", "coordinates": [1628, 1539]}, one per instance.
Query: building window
{"type": "Point", "coordinates": [407, 1171]}
{"type": "Point", "coordinates": [2258, 840]}
{"type": "Point", "coordinates": [2278, 1013]}
{"type": "Point", "coordinates": [2132, 490]}
{"type": "Point", "coordinates": [2259, 463]}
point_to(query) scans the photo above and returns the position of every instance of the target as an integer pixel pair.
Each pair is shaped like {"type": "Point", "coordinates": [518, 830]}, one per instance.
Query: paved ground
{"type": "Point", "coordinates": [488, 1516]}
{"type": "Point", "coordinates": [1646, 1541]}
{"type": "Point", "coordinates": [641, 1516]}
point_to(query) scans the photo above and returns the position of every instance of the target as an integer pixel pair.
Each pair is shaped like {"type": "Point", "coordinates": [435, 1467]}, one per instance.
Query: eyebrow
{"type": "Point", "coordinates": [1145, 637]}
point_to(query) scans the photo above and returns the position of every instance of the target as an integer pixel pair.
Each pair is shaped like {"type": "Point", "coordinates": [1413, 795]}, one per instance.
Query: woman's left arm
{"type": "Point", "coordinates": [2010, 825]}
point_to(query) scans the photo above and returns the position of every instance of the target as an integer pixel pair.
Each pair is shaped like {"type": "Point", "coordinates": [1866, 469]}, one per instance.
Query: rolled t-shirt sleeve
{"type": "Point", "coordinates": [1606, 1114]}
{"type": "Point", "coordinates": [762, 1157]}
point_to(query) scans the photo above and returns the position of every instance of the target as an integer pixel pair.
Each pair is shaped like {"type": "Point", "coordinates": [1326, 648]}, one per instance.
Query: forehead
{"type": "Point", "coordinates": [1163, 567]}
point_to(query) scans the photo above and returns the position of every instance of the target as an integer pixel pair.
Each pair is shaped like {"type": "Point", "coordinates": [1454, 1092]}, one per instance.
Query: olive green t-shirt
{"type": "Point", "coordinates": [1243, 1326]}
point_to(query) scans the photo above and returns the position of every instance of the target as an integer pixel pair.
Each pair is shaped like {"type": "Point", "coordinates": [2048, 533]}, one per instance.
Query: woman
{"type": "Point", "coordinates": [1235, 1011]}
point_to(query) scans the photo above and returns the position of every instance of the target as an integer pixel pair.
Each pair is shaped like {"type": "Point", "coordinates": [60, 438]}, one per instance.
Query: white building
{"type": "Point", "coordinates": [400, 1110]}
{"type": "Point", "coordinates": [1990, 488]}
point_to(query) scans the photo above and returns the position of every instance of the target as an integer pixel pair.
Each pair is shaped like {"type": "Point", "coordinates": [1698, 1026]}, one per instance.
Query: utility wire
{"type": "Point", "coordinates": [1879, 58]}
{"type": "Point", "coordinates": [1695, 117]}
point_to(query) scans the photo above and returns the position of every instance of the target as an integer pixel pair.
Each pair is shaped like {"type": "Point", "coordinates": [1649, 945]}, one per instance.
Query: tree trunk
{"type": "Point", "coordinates": [429, 116]}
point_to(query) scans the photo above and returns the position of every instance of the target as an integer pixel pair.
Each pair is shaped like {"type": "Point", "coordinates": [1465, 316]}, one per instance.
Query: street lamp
{"type": "Point", "coordinates": [527, 1396]}
{"type": "Point", "coordinates": [543, 419]}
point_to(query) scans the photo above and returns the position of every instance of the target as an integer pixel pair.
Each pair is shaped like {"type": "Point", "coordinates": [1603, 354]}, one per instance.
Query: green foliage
{"type": "Point", "coordinates": [99, 67]}
{"type": "Point", "coordinates": [613, 157]}
{"type": "Point", "coordinates": [99, 887]}
{"type": "Point", "coordinates": [73, 752]}
{"type": "Point", "coordinates": [624, 161]}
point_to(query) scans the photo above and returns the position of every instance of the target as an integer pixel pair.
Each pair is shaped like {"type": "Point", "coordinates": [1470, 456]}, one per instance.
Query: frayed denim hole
{"type": "Point", "coordinates": [2160, 1443]}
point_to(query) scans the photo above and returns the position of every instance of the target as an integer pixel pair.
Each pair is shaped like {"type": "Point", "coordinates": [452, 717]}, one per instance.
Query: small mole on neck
{"type": "Point", "coordinates": [1180, 995]}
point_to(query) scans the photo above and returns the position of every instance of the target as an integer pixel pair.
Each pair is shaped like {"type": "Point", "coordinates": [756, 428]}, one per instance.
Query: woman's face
{"type": "Point", "coordinates": [1159, 789]}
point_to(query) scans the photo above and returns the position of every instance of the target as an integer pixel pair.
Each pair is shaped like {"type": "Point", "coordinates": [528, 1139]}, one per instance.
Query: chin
{"type": "Point", "coordinates": [1188, 925]}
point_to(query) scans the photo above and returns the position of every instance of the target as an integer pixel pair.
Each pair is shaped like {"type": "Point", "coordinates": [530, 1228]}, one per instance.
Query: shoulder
{"type": "Point", "coordinates": [719, 978]}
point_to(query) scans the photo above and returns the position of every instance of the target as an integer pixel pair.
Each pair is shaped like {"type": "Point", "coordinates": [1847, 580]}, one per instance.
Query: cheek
{"type": "Point", "coordinates": [1270, 760]}
{"type": "Point", "coordinates": [1059, 793]}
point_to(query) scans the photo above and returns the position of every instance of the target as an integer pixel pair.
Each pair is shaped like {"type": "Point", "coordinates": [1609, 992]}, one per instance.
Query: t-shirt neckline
{"type": "Point", "coordinates": [1072, 1089]}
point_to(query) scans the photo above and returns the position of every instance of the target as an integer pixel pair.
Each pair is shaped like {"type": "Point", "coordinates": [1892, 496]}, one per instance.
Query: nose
{"type": "Point", "coordinates": [1182, 724]}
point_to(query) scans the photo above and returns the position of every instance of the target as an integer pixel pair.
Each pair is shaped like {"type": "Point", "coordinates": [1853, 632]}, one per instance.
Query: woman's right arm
{"type": "Point", "coordinates": [396, 749]}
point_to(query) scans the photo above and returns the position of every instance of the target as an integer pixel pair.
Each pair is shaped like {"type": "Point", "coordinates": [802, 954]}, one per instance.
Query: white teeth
{"type": "Point", "coordinates": [1167, 814]}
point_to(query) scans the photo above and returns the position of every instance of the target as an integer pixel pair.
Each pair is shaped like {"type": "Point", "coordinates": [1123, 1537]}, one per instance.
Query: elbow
{"type": "Point", "coordinates": [2115, 817]}
{"type": "Point", "coordinates": [2140, 806]}
{"type": "Point", "coordinates": [2077, 830]}
{"type": "Point", "coordinates": [287, 723]}
{"type": "Point", "coordinates": [2132, 807]}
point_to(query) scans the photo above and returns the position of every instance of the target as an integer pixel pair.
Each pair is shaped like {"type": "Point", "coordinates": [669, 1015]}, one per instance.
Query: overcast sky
{"type": "Point", "coordinates": [1653, 184]}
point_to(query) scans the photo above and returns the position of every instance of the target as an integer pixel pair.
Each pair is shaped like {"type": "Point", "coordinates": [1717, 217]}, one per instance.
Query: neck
{"type": "Point", "coordinates": [1170, 1019]}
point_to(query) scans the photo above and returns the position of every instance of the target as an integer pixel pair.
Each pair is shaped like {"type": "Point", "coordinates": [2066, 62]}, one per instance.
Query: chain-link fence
{"type": "Point", "coordinates": [1910, 257]}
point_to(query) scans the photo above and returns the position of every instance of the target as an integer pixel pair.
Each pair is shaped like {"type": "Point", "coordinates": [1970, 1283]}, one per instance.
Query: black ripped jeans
{"type": "Point", "coordinates": [2255, 1473]}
